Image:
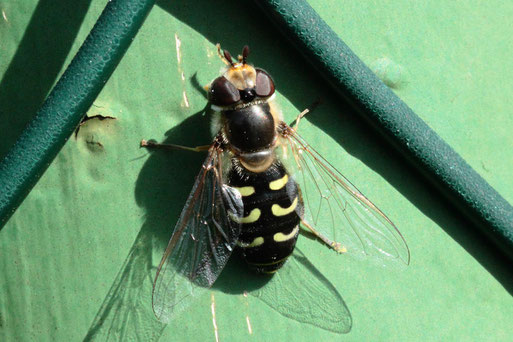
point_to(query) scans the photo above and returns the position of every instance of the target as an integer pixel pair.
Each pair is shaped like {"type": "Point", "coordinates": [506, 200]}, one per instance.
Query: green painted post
{"type": "Point", "coordinates": [435, 159]}
{"type": "Point", "coordinates": [69, 101]}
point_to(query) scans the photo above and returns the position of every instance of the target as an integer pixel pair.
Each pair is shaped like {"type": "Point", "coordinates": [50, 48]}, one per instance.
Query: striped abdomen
{"type": "Point", "coordinates": [270, 226]}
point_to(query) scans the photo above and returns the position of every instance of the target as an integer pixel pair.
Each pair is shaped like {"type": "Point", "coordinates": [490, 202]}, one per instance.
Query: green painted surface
{"type": "Point", "coordinates": [86, 241]}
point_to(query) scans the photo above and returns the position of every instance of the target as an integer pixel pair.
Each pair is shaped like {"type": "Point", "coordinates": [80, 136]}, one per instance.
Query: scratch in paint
{"type": "Point", "coordinates": [214, 322]}
{"type": "Point", "coordinates": [5, 16]}
{"type": "Point", "coordinates": [178, 52]}
{"type": "Point", "coordinates": [210, 53]}
{"type": "Point", "coordinates": [250, 329]}
{"type": "Point", "coordinates": [249, 325]}
{"type": "Point", "coordinates": [185, 99]}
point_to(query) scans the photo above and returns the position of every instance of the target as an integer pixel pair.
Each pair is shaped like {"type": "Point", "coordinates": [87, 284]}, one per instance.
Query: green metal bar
{"type": "Point", "coordinates": [69, 101]}
{"type": "Point", "coordinates": [436, 160]}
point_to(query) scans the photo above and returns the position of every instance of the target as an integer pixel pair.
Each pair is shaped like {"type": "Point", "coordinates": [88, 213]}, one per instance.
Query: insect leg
{"type": "Point", "coordinates": [151, 144]}
{"type": "Point", "coordinates": [303, 113]}
{"type": "Point", "coordinates": [337, 246]}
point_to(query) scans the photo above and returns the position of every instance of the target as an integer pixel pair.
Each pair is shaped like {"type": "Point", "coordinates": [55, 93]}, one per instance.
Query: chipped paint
{"type": "Point", "coordinates": [214, 322]}
{"type": "Point", "coordinates": [390, 72]}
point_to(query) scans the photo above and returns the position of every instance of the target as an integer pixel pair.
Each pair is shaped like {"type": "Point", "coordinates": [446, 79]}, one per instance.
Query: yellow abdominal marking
{"type": "Point", "coordinates": [269, 263]}
{"type": "Point", "coordinates": [256, 242]}
{"type": "Point", "coordinates": [279, 211]}
{"type": "Point", "coordinates": [279, 183]}
{"type": "Point", "coordinates": [253, 216]}
{"type": "Point", "coordinates": [270, 272]}
{"type": "Point", "coordinates": [245, 190]}
{"type": "Point", "coordinates": [280, 237]}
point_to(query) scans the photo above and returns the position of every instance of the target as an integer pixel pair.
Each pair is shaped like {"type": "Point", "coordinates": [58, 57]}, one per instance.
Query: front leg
{"type": "Point", "coordinates": [151, 144]}
{"type": "Point", "coordinates": [218, 143]}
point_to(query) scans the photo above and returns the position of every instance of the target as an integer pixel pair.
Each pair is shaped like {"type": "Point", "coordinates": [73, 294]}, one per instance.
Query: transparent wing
{"type": "Point", "coordinates": [202, 242]}
{"type": "Point", "coordinates": [337, 209]}
{"type": "Point", "coordinates": [300, 292]}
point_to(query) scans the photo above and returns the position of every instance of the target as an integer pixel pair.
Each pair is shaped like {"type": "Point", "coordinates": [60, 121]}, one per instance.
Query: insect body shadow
{"type": "Point", "coordinates": [161, 189]}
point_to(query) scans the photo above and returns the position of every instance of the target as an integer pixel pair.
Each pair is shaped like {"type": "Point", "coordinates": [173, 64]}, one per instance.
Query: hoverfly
{"type": "Point", "coordinates": [245, 197]}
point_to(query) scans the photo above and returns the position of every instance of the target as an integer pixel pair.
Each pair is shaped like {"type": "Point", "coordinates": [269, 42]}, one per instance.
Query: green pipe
{"type": "Point", "coordinates": [69, 100]}
{"type": "Point", "coordinates": [352, 79]}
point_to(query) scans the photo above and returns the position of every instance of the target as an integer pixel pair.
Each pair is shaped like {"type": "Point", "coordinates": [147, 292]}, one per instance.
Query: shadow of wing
{"type": "Point", "coordinates": [126, 313]}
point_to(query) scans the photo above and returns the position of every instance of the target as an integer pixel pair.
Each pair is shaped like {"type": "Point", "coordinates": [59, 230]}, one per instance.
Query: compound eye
{"type": "Point", "coordinates": [223, 93]}
{"type": "Point", "coordinates": [264, 85]}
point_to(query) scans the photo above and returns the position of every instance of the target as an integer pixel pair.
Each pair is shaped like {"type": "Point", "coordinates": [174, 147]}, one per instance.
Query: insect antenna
{"type": "Point", "coordinates": [245, 53]}
{"type": "Point", "coordinates": [225, 56]}
{"type": "Point", "coordinates": [228, 57]}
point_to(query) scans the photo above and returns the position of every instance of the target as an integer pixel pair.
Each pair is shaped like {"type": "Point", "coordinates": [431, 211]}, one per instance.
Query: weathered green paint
{"type": "Point", "coordinates": [93, 229]}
